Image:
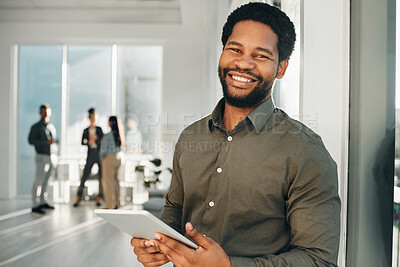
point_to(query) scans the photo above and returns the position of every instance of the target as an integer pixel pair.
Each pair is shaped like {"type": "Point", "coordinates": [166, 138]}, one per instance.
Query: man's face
{"type": "Point", "coordinates": [45, 114]}
{"type": "Point", "coordinates": [249, 64]}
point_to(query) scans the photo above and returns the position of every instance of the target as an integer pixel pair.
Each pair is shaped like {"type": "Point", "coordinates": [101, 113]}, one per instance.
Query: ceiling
{"type": "Point", "coordinates": [96, 11]}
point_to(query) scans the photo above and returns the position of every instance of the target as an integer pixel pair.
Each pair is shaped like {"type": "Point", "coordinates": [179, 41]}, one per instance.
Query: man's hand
{"type": "Point", "coordinates": [50, 141]}
{"type": "Point", "coordinates": [209, 253]}
{"type": "Point", "coordinates": [148, 253]}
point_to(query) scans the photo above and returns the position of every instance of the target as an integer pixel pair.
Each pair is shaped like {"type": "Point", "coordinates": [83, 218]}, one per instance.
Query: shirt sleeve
{"type": "Point", "coordinates": [103, 147]}
{"type": "Point", "coordinates": [172, 214]}
{"type": "Point", "coordinates": [312, 212]}
{"type": "Point", "coordinates": [53, 131]}
{"type": "Point", "coordinates": [85, 138]}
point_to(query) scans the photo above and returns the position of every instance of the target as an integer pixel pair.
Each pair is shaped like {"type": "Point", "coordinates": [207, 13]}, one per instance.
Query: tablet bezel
{"type": "Point", "coordinates": [141, 224]}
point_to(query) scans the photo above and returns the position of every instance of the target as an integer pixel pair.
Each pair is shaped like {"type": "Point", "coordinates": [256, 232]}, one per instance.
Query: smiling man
{"type": "Point", "coordinates": [264, 192]}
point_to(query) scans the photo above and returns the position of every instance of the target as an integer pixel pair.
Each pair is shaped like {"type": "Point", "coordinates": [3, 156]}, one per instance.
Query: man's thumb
{"type": "Point", "coordinates": [200, 239]}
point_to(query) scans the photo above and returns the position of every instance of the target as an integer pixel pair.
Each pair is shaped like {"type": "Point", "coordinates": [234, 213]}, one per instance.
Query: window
{"type": "Point", "coordinates": [39, 81]}
{"type": "Point", "coordinates": [139, 95]}
{"type": "Point", "coordinates": [286, 92]}
{"type": "Point", "coordinates": [125, 81]}
{"type": "Point", "coordinates": [89, 85]}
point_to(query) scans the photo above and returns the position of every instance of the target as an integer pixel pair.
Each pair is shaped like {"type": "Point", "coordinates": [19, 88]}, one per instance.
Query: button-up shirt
{"type": "Point", "coordinates": [39, 134]}
{"type": "Point", "coordinates": [267, 191]}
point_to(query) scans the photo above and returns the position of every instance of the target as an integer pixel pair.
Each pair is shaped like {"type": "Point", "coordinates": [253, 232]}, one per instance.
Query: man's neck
{"type": "Point", "coordinates": [233, 115]}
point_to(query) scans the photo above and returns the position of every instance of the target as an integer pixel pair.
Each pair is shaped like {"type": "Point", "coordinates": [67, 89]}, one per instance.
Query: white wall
{"type": "Point", "coordinates": [185, 73]}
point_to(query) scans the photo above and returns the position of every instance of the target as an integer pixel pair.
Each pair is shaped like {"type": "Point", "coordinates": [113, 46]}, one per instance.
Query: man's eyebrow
{"type": "Point", "coordinates": [265, 50]}
{"type": "Point", "coordinates": [234, 43]}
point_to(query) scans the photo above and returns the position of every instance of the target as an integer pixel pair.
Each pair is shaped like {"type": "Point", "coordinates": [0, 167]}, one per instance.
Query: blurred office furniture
{"type": "Point", "coordinates": [144, 182]}
{"type": "Point", "coordinates": [62, 179]}
{"type": "Point", "coordinates": [157, 194]}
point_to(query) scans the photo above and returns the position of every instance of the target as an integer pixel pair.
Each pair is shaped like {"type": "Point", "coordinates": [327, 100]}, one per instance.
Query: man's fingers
{"type": "Point", "coordinates": [172, 248]}
{"type": "Point", "coordinates": [156, 263]}
{"type": "Point", "coordinates": [145, 250]}
{"type": "Point", "coordinates": [152, 259]}
{"type": "Point", "coordinates": [170, 253]}
{"type": "Point", "coordinates": [197, 237]}
{"type": "Point", "coordinates": [140, 242]}
{"type": "Point", "coordinates": [137, 242]}
{"type": "Point", "coordinates": [148, 253]}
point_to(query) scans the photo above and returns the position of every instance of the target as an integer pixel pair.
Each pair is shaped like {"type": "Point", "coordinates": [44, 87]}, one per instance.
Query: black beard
{"type": "Point", "coordinates": [257, 95]}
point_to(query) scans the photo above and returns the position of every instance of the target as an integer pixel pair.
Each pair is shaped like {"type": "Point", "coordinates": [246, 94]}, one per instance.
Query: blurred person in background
{"type": "Point", "coordinates": [133, 136]}
{"type": "Point", "coordinates": [43, 136]}
{"type": "Point", "coordinates": [91, 138]}
{"type": "Point", "coordinates": [110, 155]}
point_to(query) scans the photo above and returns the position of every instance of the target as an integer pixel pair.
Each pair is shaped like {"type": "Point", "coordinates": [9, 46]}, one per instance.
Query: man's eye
{"type": "Point", "coordinates": [235, 50]}
{"type": "Point", "coordinates": [262, 57]}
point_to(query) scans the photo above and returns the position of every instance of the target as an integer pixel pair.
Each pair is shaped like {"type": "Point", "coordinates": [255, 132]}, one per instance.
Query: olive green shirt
{"type": "Point", "coordinates": [267, 191]}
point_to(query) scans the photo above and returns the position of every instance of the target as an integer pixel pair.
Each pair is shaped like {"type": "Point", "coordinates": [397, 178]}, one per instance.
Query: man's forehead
{"type": "Point", "coordinates": [252, 32]}
{"type": "Point", "coordinates": [253, 25]}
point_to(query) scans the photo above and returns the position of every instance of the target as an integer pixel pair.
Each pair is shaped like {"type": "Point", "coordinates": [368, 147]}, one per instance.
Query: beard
{"type": "Point", "coordinates": [257, 95]}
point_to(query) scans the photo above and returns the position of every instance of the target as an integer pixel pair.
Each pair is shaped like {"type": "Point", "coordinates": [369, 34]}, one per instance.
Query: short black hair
{"type": "Point", "coordinates": [43, 106]}
{"type": "Point", "coordinates": [269, 15]}
{"type": "Point", "coordinates": [91, 111]}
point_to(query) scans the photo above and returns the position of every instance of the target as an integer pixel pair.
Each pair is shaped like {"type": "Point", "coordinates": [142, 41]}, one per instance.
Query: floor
{"type": "Point", "coordinates": [64, 237]}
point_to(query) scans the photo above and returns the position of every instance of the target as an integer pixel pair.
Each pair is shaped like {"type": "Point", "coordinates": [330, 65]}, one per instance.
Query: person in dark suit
{"type": "Point", "coordinates": [43, 136]}
{"type": "Point", "coordinates": [91, 137]}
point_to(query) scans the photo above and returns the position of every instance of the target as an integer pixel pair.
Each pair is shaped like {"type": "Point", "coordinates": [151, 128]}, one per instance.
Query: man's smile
{"type": "Point", "coordinates": [240, 80]}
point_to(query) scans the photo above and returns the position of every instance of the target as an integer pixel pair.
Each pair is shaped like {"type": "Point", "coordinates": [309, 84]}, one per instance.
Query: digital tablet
{"type": "Point", "coordinates": [141, 224]}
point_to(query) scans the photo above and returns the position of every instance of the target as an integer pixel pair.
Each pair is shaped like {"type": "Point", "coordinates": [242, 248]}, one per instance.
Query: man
{"type": "Point", "coordinates": [259, 187]}
{"type": "Point", "coordinates": [43, 136]}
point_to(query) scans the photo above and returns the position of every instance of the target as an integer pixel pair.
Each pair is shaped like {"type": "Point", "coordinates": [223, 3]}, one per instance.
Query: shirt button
{"type": "Point", "coordinates": [211, 204]}
{"type": "Point", "coordinates": [229, 138]}
{"type": "Point", "coordinates": [219, 169]}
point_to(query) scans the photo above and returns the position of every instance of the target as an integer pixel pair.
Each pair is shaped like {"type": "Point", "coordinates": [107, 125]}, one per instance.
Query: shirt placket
{"type": "Point", "coordinates": [219, 181]}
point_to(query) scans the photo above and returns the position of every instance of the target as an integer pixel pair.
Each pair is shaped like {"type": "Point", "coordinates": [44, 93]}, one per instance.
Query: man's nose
{"type": "Point", "coordinates": [245, 62]}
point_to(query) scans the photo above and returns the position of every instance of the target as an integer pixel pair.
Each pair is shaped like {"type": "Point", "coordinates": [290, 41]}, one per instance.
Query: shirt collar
{"type": "Point", "coordinates": [216, 119]}
{"type": "Point", "coordinates": [258, 117]}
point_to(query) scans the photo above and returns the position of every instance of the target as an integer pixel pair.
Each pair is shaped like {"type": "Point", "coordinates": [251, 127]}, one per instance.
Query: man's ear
{"type": "Point", "coordinates": [282, 68]}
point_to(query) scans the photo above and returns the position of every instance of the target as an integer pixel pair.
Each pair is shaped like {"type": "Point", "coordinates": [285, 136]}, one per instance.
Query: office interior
{"type": "Point", "coordinates": [157, 61]}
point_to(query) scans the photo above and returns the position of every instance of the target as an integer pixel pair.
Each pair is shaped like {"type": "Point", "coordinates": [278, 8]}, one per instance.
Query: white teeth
{"type": "Point", "coordinates": [241, 79]}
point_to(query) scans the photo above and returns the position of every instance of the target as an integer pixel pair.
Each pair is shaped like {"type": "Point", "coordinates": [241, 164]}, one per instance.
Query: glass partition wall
{"type": "Point", "coordinates": [124, 81]}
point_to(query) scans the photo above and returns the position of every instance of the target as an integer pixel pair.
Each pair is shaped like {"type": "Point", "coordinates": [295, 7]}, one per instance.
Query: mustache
{"type": "Point", "coordinates": [249, 73]}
